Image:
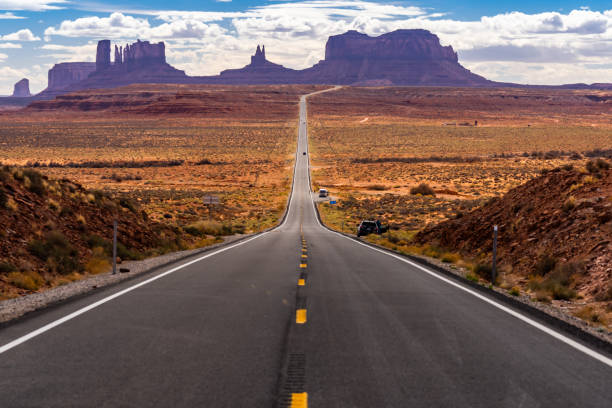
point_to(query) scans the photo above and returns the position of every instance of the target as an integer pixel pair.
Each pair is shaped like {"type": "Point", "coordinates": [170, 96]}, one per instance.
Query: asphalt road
{"type": "Point", "coordinates": [222, 331]}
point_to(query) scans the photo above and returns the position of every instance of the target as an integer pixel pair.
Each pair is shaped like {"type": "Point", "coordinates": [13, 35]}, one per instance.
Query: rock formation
{"type": "Point", "coordinates": [118, 55]}
{"type": "Point", "coordinates": [259, 71]}
{"type": "Point", "coordinates": [260, 56]}
{"type": "Point", "coordinates": [22, 89]}
{"type": "Point", "coordinates": [401, 57]}
{"type": "Point", "coordinates": [63, 75]}
{"type": "Point", "coordinates": [103, 55]}
{"type": "Point", "coordinates": [143, 52]}
{"type": "Point", "coordinates": [140, 62]}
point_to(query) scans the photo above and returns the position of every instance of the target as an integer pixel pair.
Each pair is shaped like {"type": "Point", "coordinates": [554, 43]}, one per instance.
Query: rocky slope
{"type": "Point", "coordinates": [558, 225]}
{"type": "Point", "coordinates": [54, 231]}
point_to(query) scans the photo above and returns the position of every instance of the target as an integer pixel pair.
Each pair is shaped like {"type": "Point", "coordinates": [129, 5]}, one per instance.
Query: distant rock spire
{"type": "Point", "coordinates": [260, 56]}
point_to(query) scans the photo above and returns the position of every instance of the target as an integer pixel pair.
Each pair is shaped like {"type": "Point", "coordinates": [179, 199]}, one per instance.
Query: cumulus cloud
{"type": "Point", "coordinates": [10, 16]}
{"type": "Point", "coordinates": [3, 56]}
{"type": "Point", "coordinates": [31, 5]}
{"type": "Point", "coordinates": [10, 45]}
{"type": "Point", "coordinates": [21, 35]}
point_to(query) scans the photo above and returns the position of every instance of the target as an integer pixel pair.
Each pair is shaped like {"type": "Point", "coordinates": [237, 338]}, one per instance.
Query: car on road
{"type": "Point", "coordinates": [367, 227]}
{"type": "Point", "coordinates": [304, 153]}
{"type": "Point", "coordinates": [323, 192]}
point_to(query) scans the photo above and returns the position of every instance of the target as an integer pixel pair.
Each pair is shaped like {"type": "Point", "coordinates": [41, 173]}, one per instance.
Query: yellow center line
{"type": "Point", "coordinates": [304, 256]}
{"type": "Point", "coordinates": [301, 282]}
{"type": "Point", "coordinates": [300, 316]}
{"type": "Point", "coordinates": [299, 400]}
{"type": "Point", "coordinates": [302, 265]}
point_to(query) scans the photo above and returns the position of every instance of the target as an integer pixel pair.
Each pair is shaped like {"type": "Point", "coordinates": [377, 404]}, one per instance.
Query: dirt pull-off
{"type": "Point", "coordinates": [557, 224]}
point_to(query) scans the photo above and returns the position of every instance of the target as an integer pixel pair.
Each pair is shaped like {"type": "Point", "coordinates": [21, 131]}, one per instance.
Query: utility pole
{"type": "Point", "coordinates": [114, 247]}
{"type": "Point", "coordinates": [493, 269]}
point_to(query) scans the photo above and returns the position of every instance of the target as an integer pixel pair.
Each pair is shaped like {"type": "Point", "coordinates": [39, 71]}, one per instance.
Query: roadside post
{"type": "Point", "coordinates": [210, 201]}
{"type": "Point", "coordinates": [494, 266]}
{"type": "Point", "coordinates": [114, 247]}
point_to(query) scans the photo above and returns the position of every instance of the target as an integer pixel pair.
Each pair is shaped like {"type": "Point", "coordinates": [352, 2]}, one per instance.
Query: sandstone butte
{"type": "Point", "coordinates": [402, 57]}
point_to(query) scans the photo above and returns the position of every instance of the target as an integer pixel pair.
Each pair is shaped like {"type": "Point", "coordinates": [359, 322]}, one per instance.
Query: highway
{"type": "Point", "coordinates": [297, 316]}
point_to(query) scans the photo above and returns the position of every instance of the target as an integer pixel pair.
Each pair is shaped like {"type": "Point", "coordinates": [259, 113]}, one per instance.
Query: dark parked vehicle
{"type": "Point", "coordinates": [370, 227]}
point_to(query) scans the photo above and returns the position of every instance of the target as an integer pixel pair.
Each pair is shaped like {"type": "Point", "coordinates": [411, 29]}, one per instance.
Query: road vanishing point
{"type": "Point", "coordinates": [298, 316]}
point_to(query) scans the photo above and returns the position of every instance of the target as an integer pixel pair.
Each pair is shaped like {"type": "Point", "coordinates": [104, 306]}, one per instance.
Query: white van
{"type": "Point", "coordinates": [323, 192]}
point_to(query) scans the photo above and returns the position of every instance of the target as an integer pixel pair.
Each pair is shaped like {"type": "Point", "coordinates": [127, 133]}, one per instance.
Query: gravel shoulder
{"type": "Point", "coordinates": [14, 308]}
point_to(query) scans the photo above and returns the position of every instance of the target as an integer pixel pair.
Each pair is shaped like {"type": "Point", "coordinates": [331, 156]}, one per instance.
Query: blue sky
{"type": "Point", "coordinates": [546, 42]}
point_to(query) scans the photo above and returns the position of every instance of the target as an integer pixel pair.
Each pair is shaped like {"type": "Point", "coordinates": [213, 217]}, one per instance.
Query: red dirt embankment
{"type": "Point", "coordinates": [561, 218]}
{"type": "Point", "coordinates": [53, 229]}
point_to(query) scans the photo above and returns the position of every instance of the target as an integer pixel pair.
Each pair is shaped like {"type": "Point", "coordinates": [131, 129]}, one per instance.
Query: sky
{"type": "Point", "coordinates": [530, 42]}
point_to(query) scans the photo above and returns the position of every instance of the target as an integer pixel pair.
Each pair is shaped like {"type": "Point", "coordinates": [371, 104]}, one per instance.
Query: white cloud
{"type": "Point", "coordinates": [37, 74]}
{"type": "Point", "coordinates": [10, 16]}
{"type": "Point", "coordinates": [3, 56]}
{"type": "Point", "coordinates": [10, 45]}
{"type": "Point", "coordinates": [70, 53]}
{"type": "Point", "coordinates": [21, 35]}
{"type": "Point", "coordinates": [31, 5]}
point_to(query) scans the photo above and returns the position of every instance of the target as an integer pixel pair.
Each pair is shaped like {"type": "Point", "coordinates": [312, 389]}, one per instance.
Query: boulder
{"type": "Point", "coordinates": [22, 89]}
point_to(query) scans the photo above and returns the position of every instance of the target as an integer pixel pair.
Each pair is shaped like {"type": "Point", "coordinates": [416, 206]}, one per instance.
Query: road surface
{"type": "Point", "coordinates": [232, 328]}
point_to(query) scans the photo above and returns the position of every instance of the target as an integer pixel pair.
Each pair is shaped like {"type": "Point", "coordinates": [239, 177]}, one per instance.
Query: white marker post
{"type": "Point", "coordinates": [114, 247]}
{"type": "Point", "coordinates": [494, 255]}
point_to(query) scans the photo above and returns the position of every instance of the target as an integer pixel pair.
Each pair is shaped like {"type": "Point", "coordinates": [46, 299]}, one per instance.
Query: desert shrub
{"type": "Point", "coordinates": [471, 277]}
{"type": "Point", "coordinates": [557, 283]}
{"type": "Point", "coordinates": [204, 227]}
{"type": "Point", "coordinates": [6, 267]}
{"type": "Point", "coordinates": [569, 204]}
{"type": "Point", "coordinates": [95, 241]}
{"type": "Point", "coordinates": [376, 187]}
{"type": "Point", "coordinates": [483, 270]}
{"type": "Point", "coordinates": [36, 185]}
{"type": "Point", "coordinates": [98, 263]}
{"type": "Point", "coordinates": [66, 211]}
{"type": "Point", "coordinates": [56, 250]}
{"type": "Point", "coordinates": [602, 164]}
{"type": "Point", "coordinates": [126, 253]}
{"type": "Point", "coordinates": [515, 291]}
{"type": "Point", "coordinates": [125, 203]}
{"type": "Point", "coordinates": [568, 167]}
{"type": "Point", "coordinates": [422, 189]}
{"type": "Point", "coordinates": [545, 264]}
{"type": "Point", "coordinates": [450, 257]}
{"type": "Point", "coordinates": [3, 198]}
{"type": "Point", "coordinates": [589, 180]}
{"type": "Point", "coordinates": [26, 280]}
{"type": "Point", "coordinates": [592, 166]}
{"type": "Point", "coordinates": [5, 174]}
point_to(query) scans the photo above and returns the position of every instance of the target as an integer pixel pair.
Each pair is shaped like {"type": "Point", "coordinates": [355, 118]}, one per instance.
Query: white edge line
{"type": "Point", "coordinates": [55, 323]}
{"type": "Point", "coordinates": [100, 302]}
{"type": "Point", "coordinates": [572, 343]}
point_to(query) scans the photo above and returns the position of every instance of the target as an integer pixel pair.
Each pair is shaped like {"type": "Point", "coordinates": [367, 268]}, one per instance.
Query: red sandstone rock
{"type": "Point", "coordinates": [22, 89]}
{"type": "Point", "coordinates": [103, 55]}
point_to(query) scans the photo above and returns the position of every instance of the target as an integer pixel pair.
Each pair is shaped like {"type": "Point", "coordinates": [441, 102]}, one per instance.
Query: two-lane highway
{"type": "Point", "coordinates": [223, 330]}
